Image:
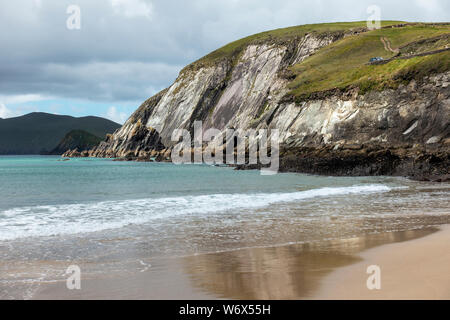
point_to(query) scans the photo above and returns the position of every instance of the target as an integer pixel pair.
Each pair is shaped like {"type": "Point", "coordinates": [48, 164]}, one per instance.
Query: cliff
{"type": "Point", "coordinates": [336, 112]}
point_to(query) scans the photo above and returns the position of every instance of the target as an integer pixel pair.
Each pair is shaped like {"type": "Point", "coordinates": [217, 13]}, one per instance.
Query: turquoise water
{"type": "Point", "coordinates": [164, 209]}
{"type": "Point", "coordinates": [109, 217]}
{"type": "Point", "coordinates": [46, 180]}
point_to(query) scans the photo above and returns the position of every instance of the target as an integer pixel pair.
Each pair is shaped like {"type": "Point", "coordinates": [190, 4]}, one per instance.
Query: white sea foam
{"type": "Point", "coordinates": [90, 217]}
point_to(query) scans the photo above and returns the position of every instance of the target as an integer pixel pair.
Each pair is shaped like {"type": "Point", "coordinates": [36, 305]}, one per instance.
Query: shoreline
{"type": "Point", "coordinates": [333, 269]}
{"type": "Point", "coordinates": [306, 167]}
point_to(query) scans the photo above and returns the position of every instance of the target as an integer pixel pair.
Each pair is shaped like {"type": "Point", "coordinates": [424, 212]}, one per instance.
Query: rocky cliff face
{"type": "Point", "coordinates": [403, 131]}
{"type": "Point", "coordinates": [224, 95]}
{"type": "Point", "coordinates": [393, 132]}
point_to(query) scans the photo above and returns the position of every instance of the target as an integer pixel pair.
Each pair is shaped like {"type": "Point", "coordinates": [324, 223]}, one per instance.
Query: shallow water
{"type": "Point", "coordinates": [110, 214]}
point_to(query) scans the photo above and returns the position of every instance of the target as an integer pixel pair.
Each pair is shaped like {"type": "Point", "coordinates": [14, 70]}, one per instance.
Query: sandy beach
{"type": "Point", "coordinates": [416, 269]}
{"type": "Point", "coordinates": [414, 265]}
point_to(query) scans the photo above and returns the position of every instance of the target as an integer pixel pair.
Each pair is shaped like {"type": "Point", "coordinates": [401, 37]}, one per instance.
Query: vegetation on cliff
{"type": "Point", "coordinates": [281, 36]}
{"type": "Point", "coordinates": [344, 64]}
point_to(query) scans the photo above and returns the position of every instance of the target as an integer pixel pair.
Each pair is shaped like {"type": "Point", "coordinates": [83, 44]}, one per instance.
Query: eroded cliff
{"type": "Point", "coordinates": [398, 128]}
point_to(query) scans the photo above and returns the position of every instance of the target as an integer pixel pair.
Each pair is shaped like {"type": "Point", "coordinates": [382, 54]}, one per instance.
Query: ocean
{"type": "Point", "coordinates": [106, 213]}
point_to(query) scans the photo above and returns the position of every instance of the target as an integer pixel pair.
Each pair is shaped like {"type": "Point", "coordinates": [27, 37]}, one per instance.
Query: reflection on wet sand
{"type": "Point", "coordinates": [285, 272]}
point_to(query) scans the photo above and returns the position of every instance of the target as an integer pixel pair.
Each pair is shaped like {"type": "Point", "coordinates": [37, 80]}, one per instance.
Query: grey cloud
{"type": "Point", "coordinates": [102, 81]}
{"type": "Point", "coordinates": [122, 57]}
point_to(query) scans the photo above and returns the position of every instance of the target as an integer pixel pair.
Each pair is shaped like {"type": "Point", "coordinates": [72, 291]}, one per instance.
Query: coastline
{"type": "Point", "coordinates": [332, 269]}
{"type": "Point", "coordinates": [254, 237]}
{"type": "Point", "coordinates": [334, 165]}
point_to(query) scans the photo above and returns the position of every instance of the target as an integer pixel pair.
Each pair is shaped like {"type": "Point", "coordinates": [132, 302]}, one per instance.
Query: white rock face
{"type": "Point", "coordinates": [177, 105]}
{"type": "Point", "coordinates": [251, 84]}
{"type": "Point", "coordinates": [309, 45]}
{"type": "Point", "coordinates": [248, 94]}
{"type": "Point", "coordinates": [252, 90]}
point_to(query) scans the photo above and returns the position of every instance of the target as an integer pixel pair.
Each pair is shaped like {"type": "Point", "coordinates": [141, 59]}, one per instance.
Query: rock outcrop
{"type": "Point", "coordinates": [393, 132]}
{"type": "Point", "coordinates": [76, 140]}
{"type": "Point", "coordinates": [222, 96]}
{"type": "Point", "coordinates": [397, 131]}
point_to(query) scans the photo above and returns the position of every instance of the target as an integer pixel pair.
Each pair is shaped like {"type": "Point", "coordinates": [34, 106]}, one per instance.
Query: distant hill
{"type": "Point", "coordinates": [77, 139]}
{"type": "Point", "coordinates": [38, 132]}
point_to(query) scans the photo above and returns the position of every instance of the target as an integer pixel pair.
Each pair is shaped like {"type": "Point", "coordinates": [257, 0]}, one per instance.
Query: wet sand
{"type": "Point", "coordinates": [414, 264]}
{"type": "Point", "coordinates": [417, 269]}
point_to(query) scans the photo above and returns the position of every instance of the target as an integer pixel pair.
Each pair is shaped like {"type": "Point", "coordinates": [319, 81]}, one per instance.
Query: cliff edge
{"type": "Point", "coordinates": [338, 110]}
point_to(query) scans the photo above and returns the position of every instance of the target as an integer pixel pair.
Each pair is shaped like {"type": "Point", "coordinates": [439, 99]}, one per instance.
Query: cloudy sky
{"type": "Point", "coordinates": [127, 50]}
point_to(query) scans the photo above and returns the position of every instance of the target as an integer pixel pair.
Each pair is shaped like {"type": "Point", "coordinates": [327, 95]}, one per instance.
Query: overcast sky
{"type": "Point", "coordinates": [127, 50]}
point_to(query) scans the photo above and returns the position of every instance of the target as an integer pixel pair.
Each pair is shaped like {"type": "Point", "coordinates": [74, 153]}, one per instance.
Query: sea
{"type": "Point", "coordinates": [107, 212]}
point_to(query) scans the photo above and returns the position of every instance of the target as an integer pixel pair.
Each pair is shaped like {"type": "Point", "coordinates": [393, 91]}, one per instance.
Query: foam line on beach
{"type": "Point", "coordinates": [50, 220]}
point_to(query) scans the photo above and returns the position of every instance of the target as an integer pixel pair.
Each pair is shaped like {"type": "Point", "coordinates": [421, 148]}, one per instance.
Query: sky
{"type": "Point", "coordinates": [121, 52]}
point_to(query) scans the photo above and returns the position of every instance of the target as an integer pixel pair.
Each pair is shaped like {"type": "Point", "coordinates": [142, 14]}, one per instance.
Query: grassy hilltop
{"type": "Point", "coordinates": [280, 36]}
{"type": "Point", "coordinates": [344, 63]}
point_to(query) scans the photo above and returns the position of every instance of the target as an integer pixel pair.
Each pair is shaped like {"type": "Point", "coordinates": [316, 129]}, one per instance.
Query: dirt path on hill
{"type": "Point", "coordinates": [387, 45]}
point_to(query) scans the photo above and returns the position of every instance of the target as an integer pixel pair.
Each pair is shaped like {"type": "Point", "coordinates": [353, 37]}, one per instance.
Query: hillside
{"type": "Point", "coordinates": [343, 65]}
{"type": "Point", "coordinates": [37, 132]}
{"type": "Point", "coordinates": [337, 112]}
{"type": "Point", "coordinates": [77, 140]}
{"type": "Point", "coordinates": [283, 36]}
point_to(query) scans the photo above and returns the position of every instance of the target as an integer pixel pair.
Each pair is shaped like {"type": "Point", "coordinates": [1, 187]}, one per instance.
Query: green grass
{"type": "Point", "coordinates": [344, 63]}
{"type": "Point", "coordinates": [426, 45]}
{"type": "Point", "coordinates": [232, 50]}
